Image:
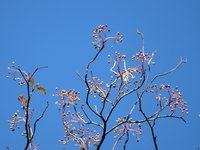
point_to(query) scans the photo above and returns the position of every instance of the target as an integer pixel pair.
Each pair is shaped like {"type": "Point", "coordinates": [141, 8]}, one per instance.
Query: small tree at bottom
{"type": "Point", "coordinates": [28, 80]}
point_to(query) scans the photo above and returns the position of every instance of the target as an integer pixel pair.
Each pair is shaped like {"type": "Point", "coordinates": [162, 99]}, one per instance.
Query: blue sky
{"type": "Point", "coordinates": [59, 34]}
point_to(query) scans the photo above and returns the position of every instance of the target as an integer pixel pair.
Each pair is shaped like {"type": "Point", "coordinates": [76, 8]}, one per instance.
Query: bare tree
{"type": "Point", "coordinates": [126, 80]}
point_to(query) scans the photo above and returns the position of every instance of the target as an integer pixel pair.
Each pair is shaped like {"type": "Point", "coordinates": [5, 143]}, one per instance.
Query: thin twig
{"type": "Point", "coordinates": [39, 119]}
{"type": "Point", "coordinates": [181, 61]}
{"type": "Point", "coordinates": [80, 76]}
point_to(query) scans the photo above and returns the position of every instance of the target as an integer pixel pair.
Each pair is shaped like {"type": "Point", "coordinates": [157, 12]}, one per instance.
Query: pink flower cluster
{"type": "Point", "coordinates": [126, 127]}
{"type": "Point", "coordinates": [100, 37]}
{"type": "Point", "coordinates": [173, 99]}
{"type": "Point", "coordinates": [74, 122]}
{"type": "Point", "coordinates": [143, 57]}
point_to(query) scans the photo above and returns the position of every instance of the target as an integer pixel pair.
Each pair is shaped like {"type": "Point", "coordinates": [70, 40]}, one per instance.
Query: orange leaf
{"type": "Point", "coordinates": [134, 69]}
{"type": "Point", "coordinates": [21, 97]}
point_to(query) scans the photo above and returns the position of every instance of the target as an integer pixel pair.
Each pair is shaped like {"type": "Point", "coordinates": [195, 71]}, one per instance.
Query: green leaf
{"type": "Point", "coordinates": [41, 89]}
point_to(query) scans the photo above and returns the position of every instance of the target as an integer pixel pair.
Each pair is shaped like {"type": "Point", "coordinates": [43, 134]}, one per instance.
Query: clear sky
{"type": "Point", "coordinates": [59, 34]}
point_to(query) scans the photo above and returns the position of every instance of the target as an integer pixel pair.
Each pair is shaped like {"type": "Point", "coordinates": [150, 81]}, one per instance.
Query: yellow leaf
{"type": "Point", "coordinates": [31, 80]}
{"type": "Point", "coordinates": [26, 101]}
{"type": "Point", "coordinates": [41, 89]}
